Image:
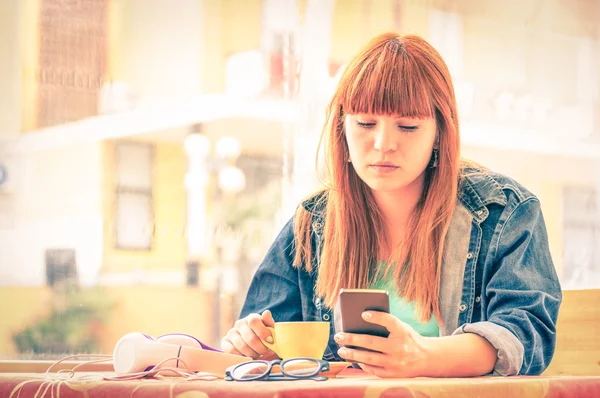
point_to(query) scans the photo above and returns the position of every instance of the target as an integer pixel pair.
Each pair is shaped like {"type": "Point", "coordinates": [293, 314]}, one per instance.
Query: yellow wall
{"type": "Point", "coordinates": [9, 67]}
{"type": "Point", "coordinates": [347, 32]}
{"type": "Point", "coordinates": [357, 21]}
{"type": "Point", "coordinates": [19, 45]}
{"type": "Point", "coordinates": [169, 205]}
{"type": "Point", "coordinates": [30, 46]}
{"type": "Point", "coordinates": [19, 306]}
{"type": "Point", "coordinates": [241, 26]}
{"type": "Point", "coordinates": [159, 310]}
{"type": "Point", "coordinates": [230, 26]}
{"type": "Point", "coordinates": [148, 309]}
{"type": "Point", "coordinates": [115, 31]}
{"type": "Point", "coordinates": [221, 28]}
{"type": "Point", "coordinates": [155, 49]}
{"type": "Point", "coordinates": [213, 67]}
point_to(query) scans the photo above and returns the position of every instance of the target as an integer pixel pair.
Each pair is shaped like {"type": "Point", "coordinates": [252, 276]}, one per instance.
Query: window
{"type": "Point", "coordinates": [133, 210]}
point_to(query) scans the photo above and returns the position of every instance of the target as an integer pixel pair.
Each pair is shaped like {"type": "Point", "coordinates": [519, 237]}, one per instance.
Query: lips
{"type": "Point", "coordinates": [383, 168]}
{"type": "Point", "coordinates": [384, 165]}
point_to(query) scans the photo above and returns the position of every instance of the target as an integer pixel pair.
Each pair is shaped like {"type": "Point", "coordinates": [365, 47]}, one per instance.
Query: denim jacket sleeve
{"type": "Point", "coordinates": [275, 284]}
{"type": "Point", "coordinates": [523, 294]}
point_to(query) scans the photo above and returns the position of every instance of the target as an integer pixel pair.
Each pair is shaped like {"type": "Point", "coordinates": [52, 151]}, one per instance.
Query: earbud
{"type": "Point", "coordinates": [135, 352]}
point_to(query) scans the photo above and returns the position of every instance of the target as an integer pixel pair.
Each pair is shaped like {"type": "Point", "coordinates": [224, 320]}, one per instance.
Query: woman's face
{"type": "Point", "coordinates": [390, 153]}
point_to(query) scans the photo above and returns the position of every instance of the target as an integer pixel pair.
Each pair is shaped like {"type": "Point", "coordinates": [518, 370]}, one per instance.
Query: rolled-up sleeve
{"type": "Point", "coordinates": [522, 294]}
{"type": "Point", "coordinates": [508, 347]}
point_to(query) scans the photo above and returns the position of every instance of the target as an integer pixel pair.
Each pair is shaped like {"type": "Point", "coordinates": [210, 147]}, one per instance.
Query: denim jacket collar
{"type": "Point", "coordinates": [477, 190]}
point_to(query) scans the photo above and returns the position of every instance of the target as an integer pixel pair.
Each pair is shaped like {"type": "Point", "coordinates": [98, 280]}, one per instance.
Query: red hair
{"type": "Point", "coordinates": [392, 75]}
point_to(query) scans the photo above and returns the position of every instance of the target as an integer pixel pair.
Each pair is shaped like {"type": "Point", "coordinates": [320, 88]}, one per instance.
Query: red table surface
{"type": "Point", "coordinates": [26, 385]}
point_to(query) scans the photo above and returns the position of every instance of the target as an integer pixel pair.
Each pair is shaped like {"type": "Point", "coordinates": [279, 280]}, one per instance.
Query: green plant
{"type": "Point", "coordinates": [72, 326]}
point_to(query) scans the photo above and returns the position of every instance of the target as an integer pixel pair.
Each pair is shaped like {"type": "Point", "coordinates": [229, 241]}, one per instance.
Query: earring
{"type": "Point", "coordinates": [349, 160]}
{"type": "Point", "coordinates": [435, 161]}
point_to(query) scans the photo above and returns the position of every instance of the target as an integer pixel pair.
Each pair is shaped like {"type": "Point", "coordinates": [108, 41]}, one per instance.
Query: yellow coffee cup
{"type": "Point", "coordinates": [299, 339]}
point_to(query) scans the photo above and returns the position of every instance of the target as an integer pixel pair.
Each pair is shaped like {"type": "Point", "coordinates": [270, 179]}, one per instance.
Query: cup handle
{"type": "Point", "coordinates": [273, 345]}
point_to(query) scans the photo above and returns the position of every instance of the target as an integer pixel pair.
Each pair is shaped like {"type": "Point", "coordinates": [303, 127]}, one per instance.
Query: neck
{"type": "Point", "coordinates": [397, 208]}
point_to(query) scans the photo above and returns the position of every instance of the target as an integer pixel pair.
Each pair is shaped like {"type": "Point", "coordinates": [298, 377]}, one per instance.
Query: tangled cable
{"type": "Point", "coordinates": [159, 371]}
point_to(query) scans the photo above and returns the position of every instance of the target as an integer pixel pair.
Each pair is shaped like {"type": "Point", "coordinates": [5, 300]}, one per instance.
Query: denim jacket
{"type": "Point", "coordinates": [498, 279]}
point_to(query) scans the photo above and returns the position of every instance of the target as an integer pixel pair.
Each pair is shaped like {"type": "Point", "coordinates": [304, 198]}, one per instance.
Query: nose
{"type": "Point", "coordinates": [385, 139]}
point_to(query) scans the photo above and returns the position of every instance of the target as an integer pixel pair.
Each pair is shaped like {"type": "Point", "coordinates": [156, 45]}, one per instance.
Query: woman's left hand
{"type": "Point", "coordinates": [404, 353]}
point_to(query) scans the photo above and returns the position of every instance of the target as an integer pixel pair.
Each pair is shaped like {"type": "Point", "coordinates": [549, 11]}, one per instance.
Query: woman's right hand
{"type": "Point", "coordinates": [244, 338]}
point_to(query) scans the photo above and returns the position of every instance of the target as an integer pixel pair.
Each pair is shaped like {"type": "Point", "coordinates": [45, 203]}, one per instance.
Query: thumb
{"type": "Point", "coordinates": [267, 318]}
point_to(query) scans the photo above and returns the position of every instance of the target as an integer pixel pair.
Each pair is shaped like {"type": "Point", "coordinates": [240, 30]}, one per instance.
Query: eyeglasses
{"type": "Point", "coordinates": [290, 369]}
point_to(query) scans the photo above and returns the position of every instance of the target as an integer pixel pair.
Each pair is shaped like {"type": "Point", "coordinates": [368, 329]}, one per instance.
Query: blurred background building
{"type": "Point", "coordinates": [150, 150]}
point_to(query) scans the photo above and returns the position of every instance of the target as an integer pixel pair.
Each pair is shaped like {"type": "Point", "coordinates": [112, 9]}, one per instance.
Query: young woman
{"type": "Point", "coordinates": [462, 250]}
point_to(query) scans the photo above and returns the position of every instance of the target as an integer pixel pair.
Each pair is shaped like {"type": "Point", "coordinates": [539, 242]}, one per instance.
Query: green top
{"type": "Point", "coordinates": [405, 310]}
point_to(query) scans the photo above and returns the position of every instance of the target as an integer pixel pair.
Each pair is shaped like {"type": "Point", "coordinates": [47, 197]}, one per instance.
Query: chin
{"type": "Point", "coordinates": [388, 185]}
{"type": "Point", "coordinates": [385, 186]}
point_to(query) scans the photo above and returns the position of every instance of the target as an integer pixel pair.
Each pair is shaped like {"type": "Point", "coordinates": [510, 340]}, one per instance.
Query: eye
{"type": "Point", "coordinates": [366, 125]}
{"type": "Point", "coordinates": [408, 128]}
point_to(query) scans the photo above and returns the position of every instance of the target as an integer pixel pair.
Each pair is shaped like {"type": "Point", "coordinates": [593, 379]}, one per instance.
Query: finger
{"type": "Point", "coordinates": [267, 318]}
{"type": "Point", "coordinates": [375, 343]}
{"type": "Point", "coordinates": [238, 343]}
{"type": "Point", "coordinates": [252, 340]}
{"type": "Point", "coordinates": [374, 370]}
{"type": "Point", "coordinates": [388, 321]}
{"type": "Point", "coordinates": [228, 348]}
{"type": "Point", "coordinates": [257, 325]}
{"type": "Point", "coordinates": [362, 356]}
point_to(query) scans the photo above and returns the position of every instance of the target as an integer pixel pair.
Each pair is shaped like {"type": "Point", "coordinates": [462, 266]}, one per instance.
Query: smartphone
{"type": "Point", "coordinates": [353, 302]}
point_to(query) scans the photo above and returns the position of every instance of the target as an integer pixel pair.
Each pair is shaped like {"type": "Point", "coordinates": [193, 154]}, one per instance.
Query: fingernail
{"type": "Point", "coordinates": [366, 315]}
{"type": "Point", "coordinates": [339, 337]}
{"type": "Point", "coordinates": [269, 340]}
{"type": "Point", "coordinates": [342, 352]}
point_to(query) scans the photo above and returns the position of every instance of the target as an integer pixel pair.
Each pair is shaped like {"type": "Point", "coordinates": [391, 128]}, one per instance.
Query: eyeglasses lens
{"type": "Point", "coordinates": [301, 368]}
{"type": "Point", "coordinates": [250, 371]}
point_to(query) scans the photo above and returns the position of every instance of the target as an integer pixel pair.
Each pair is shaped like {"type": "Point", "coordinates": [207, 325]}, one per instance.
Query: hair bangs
{"type": "Point", "coordinates": [390, 82]}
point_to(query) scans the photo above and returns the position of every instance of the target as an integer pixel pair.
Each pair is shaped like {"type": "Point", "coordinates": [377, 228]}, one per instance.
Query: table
{"type": "Point", "coordinates": [349, 384]}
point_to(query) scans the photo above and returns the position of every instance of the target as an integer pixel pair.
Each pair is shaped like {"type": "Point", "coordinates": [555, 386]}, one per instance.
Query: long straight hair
{"type": "Point", "coordinates": [392, 75]}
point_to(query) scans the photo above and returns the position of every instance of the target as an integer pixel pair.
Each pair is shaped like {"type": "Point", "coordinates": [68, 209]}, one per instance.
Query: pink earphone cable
{"type": "Point", "coordinates": [158, 371]}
